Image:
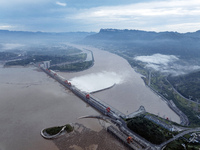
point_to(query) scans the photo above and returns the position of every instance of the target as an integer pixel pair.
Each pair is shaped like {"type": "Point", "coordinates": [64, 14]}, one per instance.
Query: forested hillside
{"type": "Point", "coordinates": [188, 85]}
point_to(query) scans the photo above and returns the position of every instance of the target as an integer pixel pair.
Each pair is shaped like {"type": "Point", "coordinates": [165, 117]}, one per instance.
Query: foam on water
{"type": "Point", "coordinates": [96, 81]}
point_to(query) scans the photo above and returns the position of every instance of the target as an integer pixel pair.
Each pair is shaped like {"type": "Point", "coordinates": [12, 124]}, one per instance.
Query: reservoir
{"type": "Point", "coordinates": [30, 100]}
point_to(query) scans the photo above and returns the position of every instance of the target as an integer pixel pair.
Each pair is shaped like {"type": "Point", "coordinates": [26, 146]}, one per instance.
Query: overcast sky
{"type": "Point", "coordinates": [92, 15]}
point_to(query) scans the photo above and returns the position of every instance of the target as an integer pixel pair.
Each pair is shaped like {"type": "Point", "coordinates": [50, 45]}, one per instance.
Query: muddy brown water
{"type": "Point", "coordinates": [131, 93]}
{"type": "Point", "coordinates": [31, 101]}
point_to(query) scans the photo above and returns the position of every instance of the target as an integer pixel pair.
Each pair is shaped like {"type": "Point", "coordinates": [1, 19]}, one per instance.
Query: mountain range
{"type": "Point", "coordinates": [137, 42]}
{"type": "Point", "coordinates": [7, 36]}
{"type": "Point", "coordinates": [128, 42]}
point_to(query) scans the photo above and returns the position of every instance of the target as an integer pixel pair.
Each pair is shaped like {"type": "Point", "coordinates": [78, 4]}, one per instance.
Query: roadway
{"type": "Point", "coordinates": [172, 106]}
{"type": "Point", "coordinates": [102, 108]}
{"type": "Point", "coordinates": [178, 136]}
{"type": "Point", "coordinates": [115, 116]}
{"type": "Point", "coordinates": [180, 93]}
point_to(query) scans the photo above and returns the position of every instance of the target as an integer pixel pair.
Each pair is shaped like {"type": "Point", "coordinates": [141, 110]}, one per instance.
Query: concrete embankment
{"type": "Point", "coordinates": [172, 106]}
{"type": "Point", "coordinates": [103, 89]}
{"type": "Point", "coordinates": [123, 138]}
{"type": "Point", "coordinates": [102, 108]}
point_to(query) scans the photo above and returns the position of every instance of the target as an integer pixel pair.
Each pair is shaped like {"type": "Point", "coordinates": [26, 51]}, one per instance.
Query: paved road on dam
{"type": "Point", "coordinates": [115, 115]}
{"type": "Point", "coordinates": [112, 114]}
{"type": "Point", "coordinates": [128, 94]}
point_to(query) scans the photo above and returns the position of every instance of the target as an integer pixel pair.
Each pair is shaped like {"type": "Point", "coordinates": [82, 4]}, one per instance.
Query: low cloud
{"type": "Point", "coordinates": [10, 46]}
{"type": "Point", "coordinates": [157, 59]}
{"type": "Point", "coordinates": [169, 64]}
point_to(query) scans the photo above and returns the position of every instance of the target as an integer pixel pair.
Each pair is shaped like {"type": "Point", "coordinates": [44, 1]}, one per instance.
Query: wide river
{"type": "Point", "coordinates": [31, 101]}
{"type": "Point", "coordinates": [128, 94]}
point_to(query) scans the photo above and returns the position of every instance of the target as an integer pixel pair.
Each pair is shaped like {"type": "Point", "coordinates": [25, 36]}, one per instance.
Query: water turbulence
{"type": "Point", "coordinates": [97, 81]}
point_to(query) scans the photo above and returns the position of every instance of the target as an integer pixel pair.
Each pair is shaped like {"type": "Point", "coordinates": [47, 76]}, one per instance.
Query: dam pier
{"type": "Point", "coordinates": [118, 126]}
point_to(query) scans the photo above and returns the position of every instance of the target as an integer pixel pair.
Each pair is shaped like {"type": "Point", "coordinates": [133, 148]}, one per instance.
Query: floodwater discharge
{"type": "Point", "coordinates": [31, 101]}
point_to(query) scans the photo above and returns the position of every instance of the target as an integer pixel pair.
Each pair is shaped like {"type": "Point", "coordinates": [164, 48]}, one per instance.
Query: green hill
{"type": "Point", "coordinates": [187, 85]}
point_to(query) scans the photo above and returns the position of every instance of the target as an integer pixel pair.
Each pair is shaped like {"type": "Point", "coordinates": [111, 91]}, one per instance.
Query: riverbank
{"type": "Point", "coordinates": [128, 94]}
{"type": "Point", "coordinates": [76, 66]}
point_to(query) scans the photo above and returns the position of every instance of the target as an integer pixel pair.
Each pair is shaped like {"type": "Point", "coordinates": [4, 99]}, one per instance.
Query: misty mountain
{"type": "Point", "coordinates": [136, 42]}
{"type": "Point", "coordinates": [7, 36]}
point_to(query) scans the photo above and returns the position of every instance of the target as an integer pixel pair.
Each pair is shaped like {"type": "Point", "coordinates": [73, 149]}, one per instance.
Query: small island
{"type": "Point", "coordinates": [54, 132]}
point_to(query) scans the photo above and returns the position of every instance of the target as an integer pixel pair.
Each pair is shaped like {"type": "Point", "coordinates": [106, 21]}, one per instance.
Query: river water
{"type": "Point", "coordinates": [31, 101]}
{"type": "Point", "coordinates": [128, 94]}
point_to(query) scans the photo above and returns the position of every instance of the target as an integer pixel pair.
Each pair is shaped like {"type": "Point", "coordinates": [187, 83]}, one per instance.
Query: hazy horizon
{"type": "Point", "coordinates": [94, 31]}
{"type": "Point", "coordinates": [90, 16]}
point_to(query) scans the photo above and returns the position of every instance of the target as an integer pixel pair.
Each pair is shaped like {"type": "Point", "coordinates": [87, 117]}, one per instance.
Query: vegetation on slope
{"type": "Point", "coordinates": [63, 58]}
{"type": "Point", "coordinates": [149, 130]}
{"type": "Point", "coordinates": [79, 66]}
{"type": "Point", "coordinates": [7, 55]}
{"type": "Point", "coordinates": [54, 59]}
{"type": "Point", "coordinates": [180, 143]}
{"type": "Point", "coordinates": [136, 42]}
{"type": "Point", "coordinates": [164, 88]}
{"type": "Point", "coordinates": [131, 43]}
{"type": "Point", "coordinates": [191, 109]}
{"type": "Point", "coordinates": [188, 85]}
{"type": "Point", "coordinates": [56, 130]}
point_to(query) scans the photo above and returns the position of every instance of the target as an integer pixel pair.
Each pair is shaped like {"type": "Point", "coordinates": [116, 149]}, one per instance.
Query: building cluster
{"type": "Point", "coordinates": [45, 64]}
{"type": "Point", "coordinates": [160, 123]}
{"type": "Point", "coordinates": [194, 138]}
